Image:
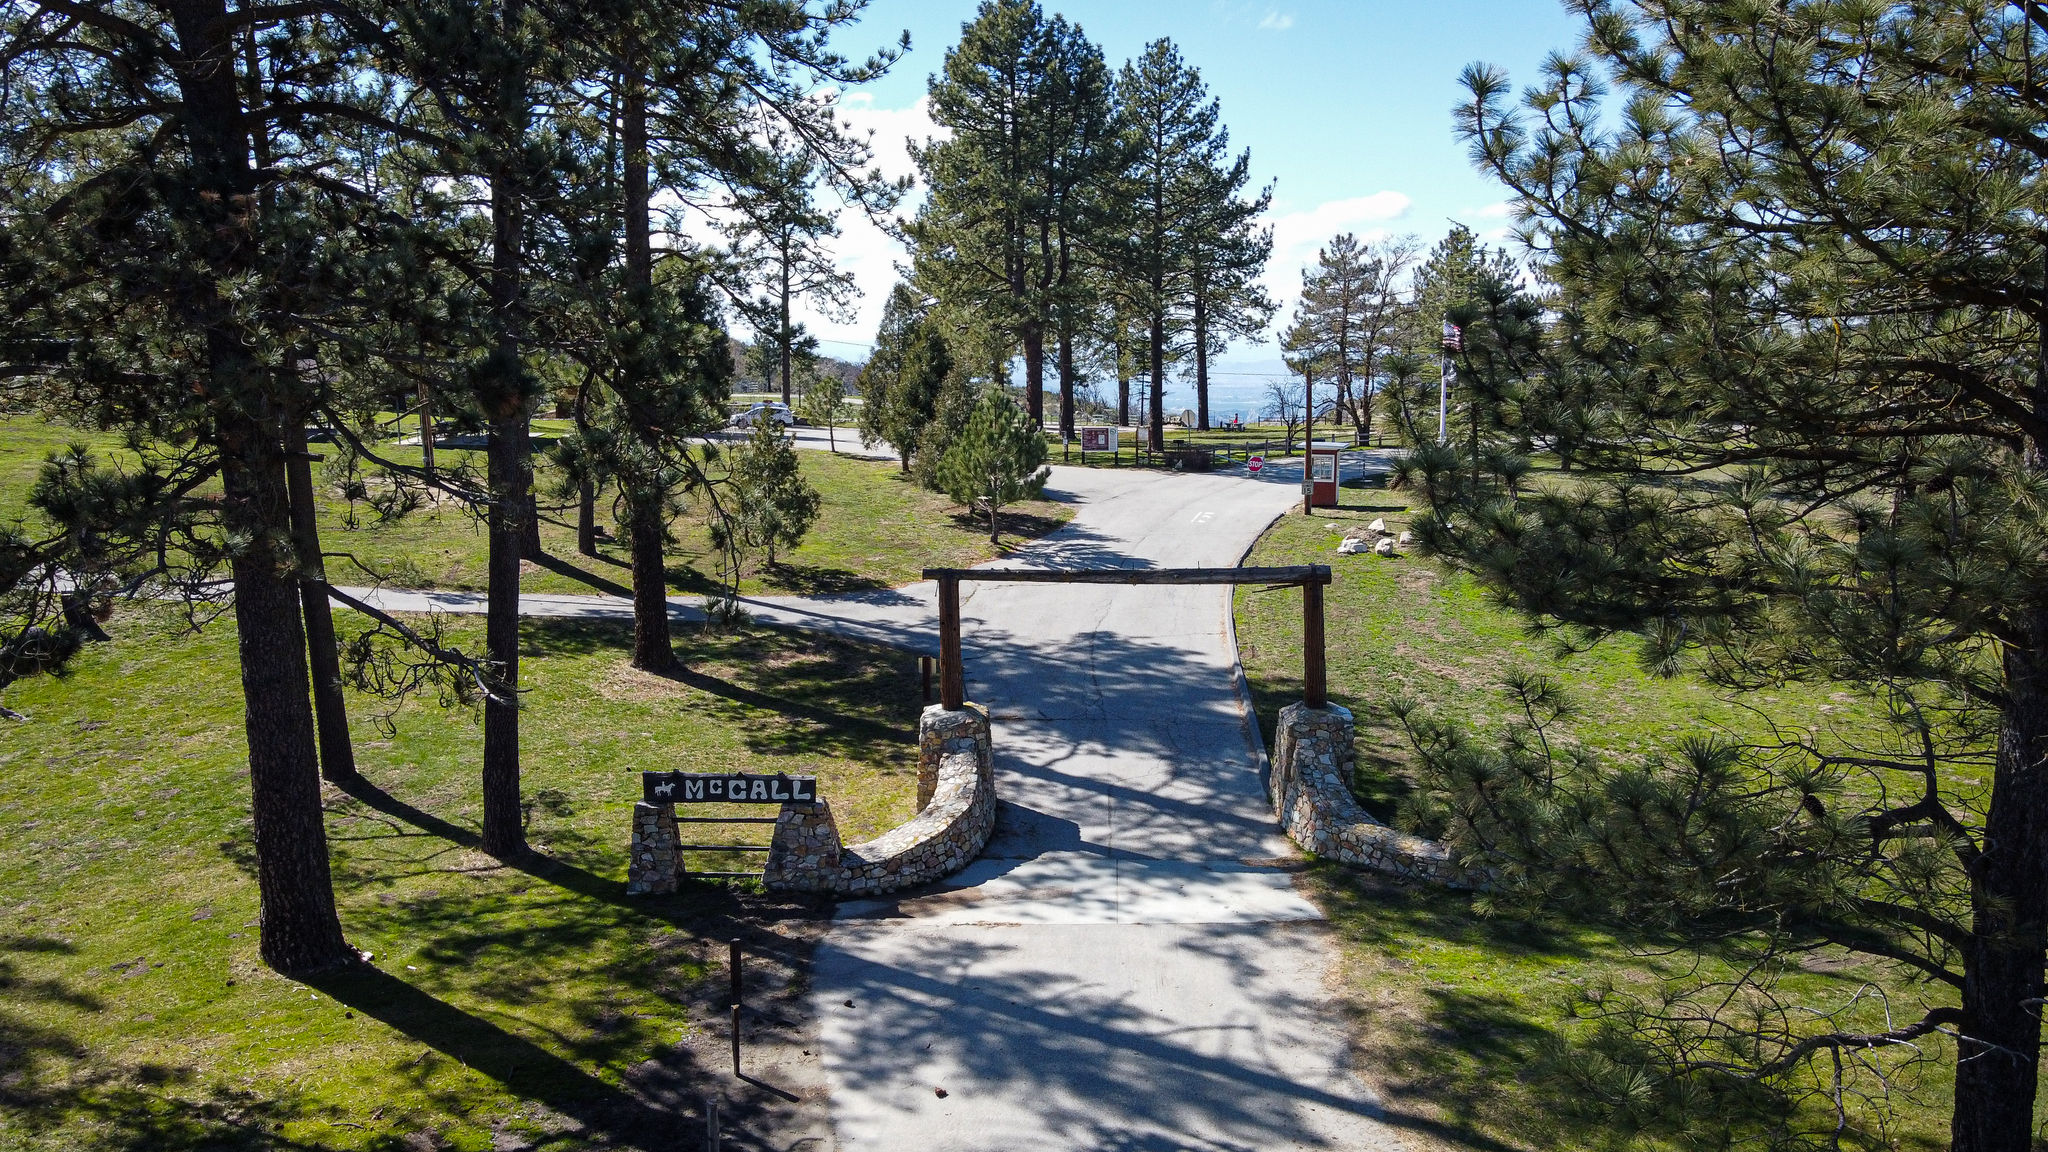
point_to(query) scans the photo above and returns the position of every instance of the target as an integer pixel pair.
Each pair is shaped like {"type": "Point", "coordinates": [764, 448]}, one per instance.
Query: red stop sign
{"type": "Point", "coordinates": [1256, 463]}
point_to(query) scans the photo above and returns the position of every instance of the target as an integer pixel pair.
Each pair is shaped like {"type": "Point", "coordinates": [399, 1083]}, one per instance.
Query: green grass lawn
{"type": "Point", "coordinates": [510, 1007]}
{"type": "Point", "coordinates": [876, 529]}
{"type": "Point", "coordinates": [1455, 1013]}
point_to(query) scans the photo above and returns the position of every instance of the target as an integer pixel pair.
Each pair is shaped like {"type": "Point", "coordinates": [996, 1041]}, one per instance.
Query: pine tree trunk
{"type": "Point", "coordinates": [1201, 362]}
{"type": "Point", "coordinates": [652, 650]}
{"type": "Point", "coordinates": [1033, 336]}
{"type": "Point", "coordinates": [337, 753]}
{"type": "Point", "coordinates": [586, 518]}
{"type": "Point", "coordinates": [1156, 439]}
{"type": "Point", "coordinates": [1123, 394]}
{"type": "Point", "coordinates": [509, 468]}
{"type": "Point", "coordinates": [298, 928]}
{"type": "Point", "coordinates": [1066, 355]}
{"type": "Point", "coordinates": [1997, 1069]}
{"type": "Point", "coordinates": [503, 835]}
{"type": "Point", "coordinates": [427, 428]}
{"type": "Point", "coordinates": [784, 336]}
{"type": "Point", "coordinates": [529, 519]}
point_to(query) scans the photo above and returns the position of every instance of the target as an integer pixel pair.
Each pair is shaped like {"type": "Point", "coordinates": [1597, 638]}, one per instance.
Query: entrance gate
{"type": "Point", "coordinates": [1311, 578]}
{"type": "Point", "coordinates": [667, 789]}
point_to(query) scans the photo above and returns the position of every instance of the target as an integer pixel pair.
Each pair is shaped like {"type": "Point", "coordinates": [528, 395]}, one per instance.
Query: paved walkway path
{"type": "Point", "coordinates": [1128, 966]}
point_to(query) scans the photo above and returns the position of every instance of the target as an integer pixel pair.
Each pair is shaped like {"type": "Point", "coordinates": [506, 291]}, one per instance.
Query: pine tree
{"type": "Point", "coordinates": [997, 460]}
{"type": "Point", "coordinates": [159, 282]}
{"type": "Point", "coordinates": [772, 505]}
{"type": "Point", "coordinates": [825, 403]}
{"type": "Point", "coordinates": [1227, 253]}
{"type": "Point", "coordinates": [974, 242]}
{"type": "Point", "coordinates": [780, 241]}
{"type": "Point", "coordinates": [1354, 300]}
{"type": "Point", "coordinates": [903, 378]}
{"type": "Point", "coordinates": [1083, 155]}
{"type": "Point", "coordinates": [1171, 125]}
{"type": "Point", "coordinates": [1804, 266]}
{"type": "Point", "coordinates": [689, 95]}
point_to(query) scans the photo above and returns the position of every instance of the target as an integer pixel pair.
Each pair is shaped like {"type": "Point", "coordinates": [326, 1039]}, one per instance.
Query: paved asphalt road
{"type": "Point", "coordinates": [1128, 966]}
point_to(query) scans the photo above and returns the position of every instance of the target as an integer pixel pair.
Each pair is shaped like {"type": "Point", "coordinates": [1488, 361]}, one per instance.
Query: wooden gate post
{"type": "Point", "coordinates": [1314, 673]}
{"type": "Point", "coordinates": [952, 680]}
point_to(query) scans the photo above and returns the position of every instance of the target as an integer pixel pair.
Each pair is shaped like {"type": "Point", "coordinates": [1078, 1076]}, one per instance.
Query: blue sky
{"type": "Point", "coordinates": [1345, 106]}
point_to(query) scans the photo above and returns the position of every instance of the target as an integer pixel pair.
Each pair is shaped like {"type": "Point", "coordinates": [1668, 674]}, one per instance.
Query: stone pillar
{"type": "Point", "coordinates": [940, 732]}
{"type": "Point", "coordinates": [1313, 757]}
{"type": "Point", "coordinates": [654, 861]}
{"type": "Point", "coordinates": [804, 856]}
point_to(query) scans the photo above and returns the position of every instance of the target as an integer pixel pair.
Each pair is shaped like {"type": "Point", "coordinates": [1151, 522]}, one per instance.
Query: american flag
{"type": "Point", "coordinates": [1454, 338]}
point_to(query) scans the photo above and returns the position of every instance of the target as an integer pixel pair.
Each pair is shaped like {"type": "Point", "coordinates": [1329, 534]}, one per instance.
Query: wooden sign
{"type": "Point", "coordinates": [1098, 439]}
{"type": "Point", "coordinates": [727, 788]}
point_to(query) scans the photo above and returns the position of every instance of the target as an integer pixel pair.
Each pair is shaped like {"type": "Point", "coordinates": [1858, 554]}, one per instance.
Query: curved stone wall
{"type": "Point", "coordinates": [957, 810]}
{"type": "Point", "coordinates": [1313, 758]}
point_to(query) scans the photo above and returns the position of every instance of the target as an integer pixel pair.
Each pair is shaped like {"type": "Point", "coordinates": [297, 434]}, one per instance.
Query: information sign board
{"type": "Point", "coordinates": [1098, 439]}
{"type": "Point", "coordinates": [727, 788]}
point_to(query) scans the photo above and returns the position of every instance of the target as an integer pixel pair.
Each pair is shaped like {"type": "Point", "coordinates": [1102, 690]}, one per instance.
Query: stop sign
{"type": "Point", "coordinates": [1256, 463]}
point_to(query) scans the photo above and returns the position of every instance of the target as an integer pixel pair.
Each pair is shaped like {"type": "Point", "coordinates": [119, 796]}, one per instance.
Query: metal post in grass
{"type": "Point", "coordinates": [710, 1123]}
{"type": "Point", "coordinates": [733, 964]}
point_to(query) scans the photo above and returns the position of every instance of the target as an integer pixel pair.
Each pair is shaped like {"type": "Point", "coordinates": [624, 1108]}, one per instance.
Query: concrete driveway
{"type": "Point", "coordinates": [1128, 966]}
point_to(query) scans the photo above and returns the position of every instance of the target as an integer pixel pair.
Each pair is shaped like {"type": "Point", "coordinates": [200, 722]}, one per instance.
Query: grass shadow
{"type": "Point", "coordinates": [50, 1081]}
{"type": "Point", "coordinates": [817, 580]}
{"type": "Point", "coordinates": [584, 576]}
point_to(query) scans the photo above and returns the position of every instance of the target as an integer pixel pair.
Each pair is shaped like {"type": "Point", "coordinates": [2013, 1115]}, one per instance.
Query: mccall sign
{"type": "Point", "coordinates": [727, 788]}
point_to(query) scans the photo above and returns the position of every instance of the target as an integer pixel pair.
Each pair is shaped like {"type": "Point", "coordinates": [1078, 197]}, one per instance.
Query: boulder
{"type": "Point", "coordinates": [1384, 547]}
{"type": "Point", "coordinates": [1406, 538]}
{"type": "Point", "coordinates": [1378, 527]}
{"type": "Point", "coordinates": [1350, 547]}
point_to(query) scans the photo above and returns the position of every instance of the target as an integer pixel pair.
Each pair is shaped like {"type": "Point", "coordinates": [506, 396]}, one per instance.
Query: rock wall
{"type": "Point", "coordinates": [956, 795]}
{"type": "Point", "coordinates": [1313, 760]}
{"type": "Point", "coordinates": [654, 860]}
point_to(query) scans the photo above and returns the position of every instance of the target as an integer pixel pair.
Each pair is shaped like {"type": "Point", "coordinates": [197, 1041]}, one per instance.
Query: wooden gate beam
{"type": "Point", "coordinates": [1311, 577]}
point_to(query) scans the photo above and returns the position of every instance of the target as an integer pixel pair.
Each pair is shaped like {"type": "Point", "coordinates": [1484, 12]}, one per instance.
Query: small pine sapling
{"type": "Point", "coordinates": [825, 403]}
{"type": "Point", "coordinates": [998, 458]}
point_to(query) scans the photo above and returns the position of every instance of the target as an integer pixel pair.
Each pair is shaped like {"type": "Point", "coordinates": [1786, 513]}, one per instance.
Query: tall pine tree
{"type": "Point", "coordinates": [1803, 264]}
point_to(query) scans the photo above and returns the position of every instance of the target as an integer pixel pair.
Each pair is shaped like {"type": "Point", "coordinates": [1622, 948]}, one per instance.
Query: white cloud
{"type": "Point", "coordinates": [864, 248]}
{"type": "Point", "coordinates": [1298, 235]}
{"type": "Point", "coordinates": [1276, 21]}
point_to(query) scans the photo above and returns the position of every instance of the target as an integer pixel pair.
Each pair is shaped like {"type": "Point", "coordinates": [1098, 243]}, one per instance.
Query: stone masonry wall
{"type": "Point", "coordinates": [956, 795]}
{"type": "Point", "coordinates": [1313, 759]}
{"type": "Point", "coordinates": [654, 860]}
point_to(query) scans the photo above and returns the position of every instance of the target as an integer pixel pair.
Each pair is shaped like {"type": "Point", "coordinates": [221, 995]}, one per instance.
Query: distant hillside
{"type": "Point", "coordinates": [845, 370]}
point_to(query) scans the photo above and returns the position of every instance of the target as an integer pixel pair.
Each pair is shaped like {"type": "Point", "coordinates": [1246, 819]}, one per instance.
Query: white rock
{"type": "Point", "coordinates": [1406, 538]}
{"type": "Point", "coordinates": [1384, 547]}
{"type": "Point", "coordinates": [1350, 547]}
{"type": "Point", "coordinates": [1377, 526]}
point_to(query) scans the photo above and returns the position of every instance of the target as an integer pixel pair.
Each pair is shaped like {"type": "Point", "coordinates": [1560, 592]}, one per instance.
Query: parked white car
{"type": "Point", "coordinates": [773, 410]}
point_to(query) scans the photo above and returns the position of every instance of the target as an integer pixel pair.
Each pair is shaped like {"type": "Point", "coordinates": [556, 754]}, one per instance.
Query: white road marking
{"type": "Point", "coordinates": [1201, 517]}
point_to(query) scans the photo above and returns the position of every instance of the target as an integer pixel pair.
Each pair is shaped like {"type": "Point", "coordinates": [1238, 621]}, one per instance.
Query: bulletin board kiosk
{"type": "Point", "coordinates": [1325, 469]}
